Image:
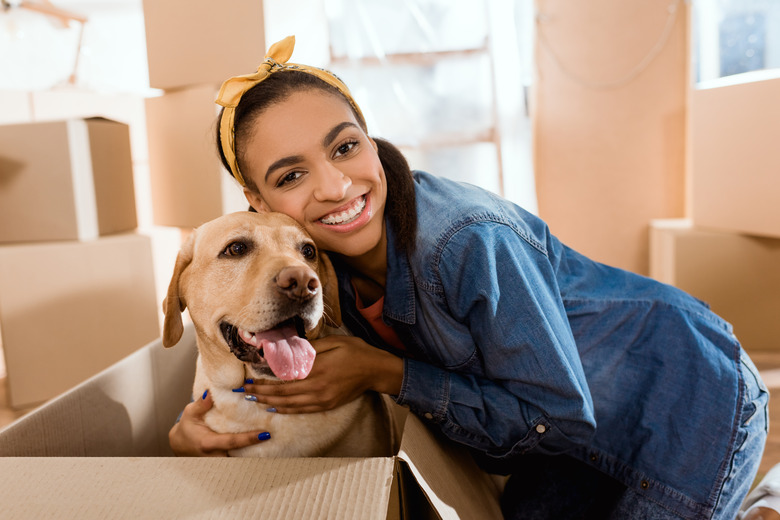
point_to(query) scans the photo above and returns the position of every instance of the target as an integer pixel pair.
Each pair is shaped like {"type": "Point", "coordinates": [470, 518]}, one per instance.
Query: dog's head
{"type": "Point", "coordinates": [256, 287]}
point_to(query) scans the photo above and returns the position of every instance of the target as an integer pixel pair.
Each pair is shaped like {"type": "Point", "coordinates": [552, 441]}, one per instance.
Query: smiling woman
{"type": "Point", "coordinates": [567, 374]}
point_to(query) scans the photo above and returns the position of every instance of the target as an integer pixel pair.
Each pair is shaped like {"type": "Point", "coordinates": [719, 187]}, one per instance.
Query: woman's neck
{"type": "Point", "coordinates": [369, 272]}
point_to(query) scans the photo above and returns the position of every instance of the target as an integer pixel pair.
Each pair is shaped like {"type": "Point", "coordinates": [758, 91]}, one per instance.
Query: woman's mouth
{"type": "Point", "coordinates": [346, 215]}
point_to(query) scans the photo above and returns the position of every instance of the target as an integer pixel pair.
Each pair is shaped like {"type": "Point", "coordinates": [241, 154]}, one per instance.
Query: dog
{"type": "Point", "coordinates": [256, 288]}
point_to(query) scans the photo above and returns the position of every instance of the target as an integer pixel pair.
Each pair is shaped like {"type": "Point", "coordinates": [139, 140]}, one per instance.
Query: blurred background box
{"type": "Point", "coordinates": [15, 107]}
{"type": "Point", "coordinates": [735, 157]}
{"type": "Point", "coordinates": [70, 309]}
{"type": "Point", "coordinates": [189, 184]}
{"type": "Point", "coordinates": [65, 180]}
{"type": "Point", "coordinates": [737, 274]}
{"type": "Point", "coordinates": [190, 42]}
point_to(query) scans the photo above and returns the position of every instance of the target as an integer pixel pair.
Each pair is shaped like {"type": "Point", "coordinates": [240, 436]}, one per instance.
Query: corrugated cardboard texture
{"type": "Point", "coordinates": [39, 192]}
{"type": "Point", "coordinates": [187, 488]}
{"type": "Point", "coordinates": [735, 159]}
{"type": "Point", "coordinates": [70, 309]}
{"type": "Point", "coordinates": [192, 42]}
{"type": "Point", "coordinates": [188, 180]}
{"type": "Point", "coordinates": [124, 411]}
{"type": "Point", "coordinates": [738, 275]}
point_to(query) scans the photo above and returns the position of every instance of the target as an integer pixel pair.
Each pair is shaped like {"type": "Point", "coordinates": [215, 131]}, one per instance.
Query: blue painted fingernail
{"type": "Point", "coordinates": [250, 398]}
{"type": "Point", "coordinates": [239, 389]}
{"type": "Point", "coordinates": [264, 436]}
{"type": "Point", "coordinates": [249, 381]}
{"type": "Point", "coordinates": [272, 410]}
{"type": "Point", "coordinates": [205, 394]}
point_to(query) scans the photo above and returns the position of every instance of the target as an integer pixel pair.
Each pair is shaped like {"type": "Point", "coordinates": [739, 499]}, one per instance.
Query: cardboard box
{"type": "Point", "coordinates": [70, 309]}
{"type": "Point", "coordinates": [65, 180]}
{"type": "Point", "coordinates": [735, 159]}
{"type": "Point", "coordinates": [69, 102]}
{"type": "Point", "coordinates": [189, 184]}
{"type": "Point", "coordinates": [112, 431]}
{"type": "Point", "coordinates": [15, 107]}
{"type": "Point", "coordinates": [190, 42]}
{"type": "Point", "coordinates": [738, 275]}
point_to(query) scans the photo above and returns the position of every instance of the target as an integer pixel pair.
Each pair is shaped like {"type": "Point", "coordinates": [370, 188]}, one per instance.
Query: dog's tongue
{"type": "Point", "coordinates": [289, 356]}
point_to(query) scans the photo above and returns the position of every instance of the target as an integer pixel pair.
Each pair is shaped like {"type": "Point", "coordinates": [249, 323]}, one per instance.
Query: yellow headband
{"type": "Point", "coordinates": [230, 94]}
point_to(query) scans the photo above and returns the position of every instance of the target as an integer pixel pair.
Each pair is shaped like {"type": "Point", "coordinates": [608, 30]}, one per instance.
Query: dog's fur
{"type": "Point", "coordinates": [228, 274]}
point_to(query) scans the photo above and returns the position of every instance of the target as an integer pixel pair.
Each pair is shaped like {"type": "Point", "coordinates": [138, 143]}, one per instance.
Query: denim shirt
{"type": "Point", "coordinates": [517, 344]}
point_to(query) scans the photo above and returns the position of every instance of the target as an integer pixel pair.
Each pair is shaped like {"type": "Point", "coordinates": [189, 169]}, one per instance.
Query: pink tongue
{"type": "Point", "coordinates": [288, 355]}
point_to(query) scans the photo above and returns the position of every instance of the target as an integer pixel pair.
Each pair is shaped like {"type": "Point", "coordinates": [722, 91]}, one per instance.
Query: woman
{"type": "Point", "coordinates": [602, 393]}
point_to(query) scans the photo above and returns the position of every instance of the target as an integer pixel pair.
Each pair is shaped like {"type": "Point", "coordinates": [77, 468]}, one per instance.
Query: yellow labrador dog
{"type": "Point", "coordinates": [256, 288]}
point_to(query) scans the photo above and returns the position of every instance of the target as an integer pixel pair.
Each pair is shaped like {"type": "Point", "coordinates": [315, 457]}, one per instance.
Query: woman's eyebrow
{"type": "Point", "coordinates": [281, 163]}
{"type": "Point", "coordinates": [335, 131]}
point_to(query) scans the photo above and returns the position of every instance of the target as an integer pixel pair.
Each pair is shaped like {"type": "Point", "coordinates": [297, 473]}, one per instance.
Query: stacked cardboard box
{"type": "Point", "coordinates": [210, 44]}
{"type": "Point", "coordinates": [738, 275]}
{"type": "Point", "coordinates": [76, 282]}
{"type": "Point", "coordinates": [99, 429]}
{"type": "Point", "coordinates": [728, 253]}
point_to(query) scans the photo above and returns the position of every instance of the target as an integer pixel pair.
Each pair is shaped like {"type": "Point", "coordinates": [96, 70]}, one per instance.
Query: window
{"type": "Point", "coordinates": [734, 37]}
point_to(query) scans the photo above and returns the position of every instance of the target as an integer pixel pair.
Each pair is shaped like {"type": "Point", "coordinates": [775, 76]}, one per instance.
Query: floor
{"type": "Point", "coordinates": [767, 363]}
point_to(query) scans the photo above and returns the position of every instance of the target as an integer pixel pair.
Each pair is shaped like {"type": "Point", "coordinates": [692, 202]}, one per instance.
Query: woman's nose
{"type": "Point", "coordinates": [332, 183]}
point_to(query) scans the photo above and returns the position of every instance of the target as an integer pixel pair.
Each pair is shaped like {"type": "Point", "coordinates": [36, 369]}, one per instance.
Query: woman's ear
{"type": "Point", "coordinates": [256, 201]}
{"type": "Point", "coordinates": [373, 143]}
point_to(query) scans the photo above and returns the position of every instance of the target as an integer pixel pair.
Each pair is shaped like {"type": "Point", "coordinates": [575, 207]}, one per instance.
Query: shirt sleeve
{"type": "Point", "coordinates": [531, 394]}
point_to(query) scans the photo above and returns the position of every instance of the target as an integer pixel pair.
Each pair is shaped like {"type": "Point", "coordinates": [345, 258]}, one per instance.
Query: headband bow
{"type": "Point", "coordinates": [234, 88]}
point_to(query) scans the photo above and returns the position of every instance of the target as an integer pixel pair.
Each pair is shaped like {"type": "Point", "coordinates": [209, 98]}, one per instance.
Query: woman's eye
{"type": "Point", "coordinates": [345, 148]}
{"type": "Point", "coordinates": [309, 252]}
{"type": "Point", "coordinates": [289, 178]}
{"type": "Point", "coordinates": [235, 249]}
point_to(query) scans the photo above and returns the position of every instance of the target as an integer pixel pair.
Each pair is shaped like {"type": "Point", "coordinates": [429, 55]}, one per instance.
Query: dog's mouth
{"type": "Point", "coordinates": [283, 349]}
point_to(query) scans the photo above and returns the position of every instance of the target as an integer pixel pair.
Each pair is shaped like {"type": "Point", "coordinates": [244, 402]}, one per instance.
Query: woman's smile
{"type": "Point", "coordinates": [350, 216]}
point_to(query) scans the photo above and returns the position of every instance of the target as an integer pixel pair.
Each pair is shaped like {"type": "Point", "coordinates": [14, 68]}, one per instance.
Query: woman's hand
{"type": "Point", "coordinates": [344, 368]}
{"type": "Point", "coordinates": [192, 437]}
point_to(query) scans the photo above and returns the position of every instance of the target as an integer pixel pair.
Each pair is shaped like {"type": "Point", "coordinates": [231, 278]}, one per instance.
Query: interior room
{"type": "Point", "coordinates": [643, 133]}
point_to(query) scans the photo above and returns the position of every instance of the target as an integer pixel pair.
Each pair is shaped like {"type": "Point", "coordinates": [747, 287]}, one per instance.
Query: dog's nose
{"type": "Point", "coordinates": [297, 282]}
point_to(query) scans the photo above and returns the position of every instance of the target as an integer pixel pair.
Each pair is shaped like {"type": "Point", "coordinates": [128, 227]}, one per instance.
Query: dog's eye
{"type": "Point", "coordinates": [235, 249]}
{"type": "Point", "coordinates": [308, 252]}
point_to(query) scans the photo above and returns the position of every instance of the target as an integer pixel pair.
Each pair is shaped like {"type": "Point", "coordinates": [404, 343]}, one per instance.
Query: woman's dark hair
{"type": "Point", "coordinates": [400, 208]}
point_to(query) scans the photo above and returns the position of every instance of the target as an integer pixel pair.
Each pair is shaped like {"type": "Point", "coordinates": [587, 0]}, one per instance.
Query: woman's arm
{"type": "Point", "coordinates": [345, 367]}
{"type": "Point", "coordinates": [506, 376]}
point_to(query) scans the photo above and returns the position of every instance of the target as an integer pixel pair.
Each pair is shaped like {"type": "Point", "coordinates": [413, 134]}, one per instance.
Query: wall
{"type": "Point", "coordinates": [609, 123]}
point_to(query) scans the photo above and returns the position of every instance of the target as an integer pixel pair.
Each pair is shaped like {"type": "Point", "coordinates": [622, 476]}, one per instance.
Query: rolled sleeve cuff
{"type": "Point", "coordinates": [425, 390]}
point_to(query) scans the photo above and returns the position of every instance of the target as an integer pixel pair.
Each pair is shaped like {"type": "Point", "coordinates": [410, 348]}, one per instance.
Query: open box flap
{"type": "Point", "coordinates": [453, 483]}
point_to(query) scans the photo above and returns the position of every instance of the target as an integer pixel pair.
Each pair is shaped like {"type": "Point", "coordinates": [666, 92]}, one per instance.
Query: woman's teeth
{"type": "Point", "coordinates": [347, 215]}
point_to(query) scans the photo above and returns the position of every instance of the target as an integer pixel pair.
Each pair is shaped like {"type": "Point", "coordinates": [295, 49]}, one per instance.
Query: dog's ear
{"type": "Point", "coordinates": [330, 291]}
{"type": "Point", "coordinates": [174, 303]}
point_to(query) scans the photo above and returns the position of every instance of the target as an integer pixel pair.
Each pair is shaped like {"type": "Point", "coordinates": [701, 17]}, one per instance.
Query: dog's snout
{"type": "Point", "coordinates": [297, 282]}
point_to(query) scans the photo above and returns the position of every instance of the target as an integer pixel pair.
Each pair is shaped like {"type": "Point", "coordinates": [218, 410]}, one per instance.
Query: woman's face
{"type": "Point", "coordinates": [310, 159]}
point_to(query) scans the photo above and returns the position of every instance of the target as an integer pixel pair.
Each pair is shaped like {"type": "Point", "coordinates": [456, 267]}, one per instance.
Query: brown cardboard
{"type": "Point", "coordinates": [70, 309]}
{"type": "Point", "coordinates": [65, 180]}
{"type": "Point", "coordinates": [735, 159]}
{"type": "Point", "coordinates": [608, 137]}
{"type": "Point", "coordinates": [189, 42]}
{"type": "Point", "coordinates": [738, 275]}
{"type": "Point", "coordinates": [189, 184]}
{"type": "Point", "coordinates": [112, 431]}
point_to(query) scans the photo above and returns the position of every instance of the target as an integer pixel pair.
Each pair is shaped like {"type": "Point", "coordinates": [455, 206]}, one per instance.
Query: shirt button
{"type": "Point", "coordinates": [541, 428]}
{"type": "Point", "coordinates": [428, 415]}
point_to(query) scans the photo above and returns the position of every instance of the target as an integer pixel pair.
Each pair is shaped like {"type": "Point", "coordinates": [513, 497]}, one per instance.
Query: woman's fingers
{"type": "Point", "coordinates": [191, 436]}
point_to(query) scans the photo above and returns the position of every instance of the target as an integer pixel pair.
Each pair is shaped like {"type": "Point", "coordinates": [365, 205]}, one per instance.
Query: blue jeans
{"type": "Point", "coordinates": [561, 487]}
